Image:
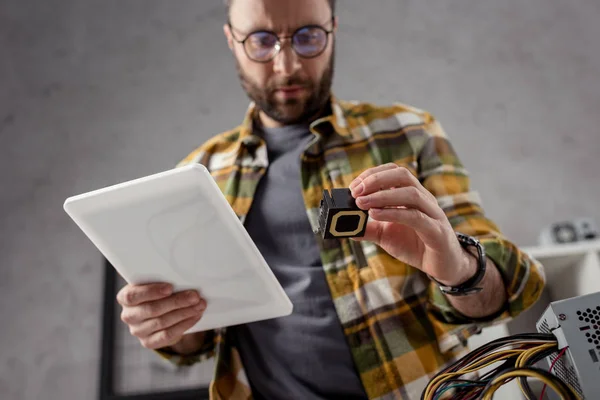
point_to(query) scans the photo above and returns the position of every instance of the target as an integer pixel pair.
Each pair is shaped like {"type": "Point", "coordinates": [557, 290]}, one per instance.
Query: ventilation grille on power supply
{"type": "Point", "coordinates": [589, 326]}
{"type": "Point", "coordinates": [590, 319]}
{"type": "Point", "coordinates": [563, 367]}
{"type": "Point", "coordinates": [565, 371]}
{"type": "Point", "coordinates": [544, 328]}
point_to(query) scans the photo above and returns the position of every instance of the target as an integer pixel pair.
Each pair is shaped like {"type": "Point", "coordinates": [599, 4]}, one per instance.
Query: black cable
{"type": "Point", "coordinates": [566, 392]}
{"type": "Point", "coordinates": [460, 390]}
{"type": "Point", "coordinates": [489, 347]}
{"type": "Point", "coordinates": [527, 391]}
{"type": "Point", "coordinates": [457, 380]}
{"type": "Point", "coordinates": [507, 364]}
{"type": "Point", "coordinates": [496, 344]}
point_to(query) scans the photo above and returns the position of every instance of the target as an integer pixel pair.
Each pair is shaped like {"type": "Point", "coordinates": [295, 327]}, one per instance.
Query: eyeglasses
{"type": "Point", "coordinates": [307, 41]}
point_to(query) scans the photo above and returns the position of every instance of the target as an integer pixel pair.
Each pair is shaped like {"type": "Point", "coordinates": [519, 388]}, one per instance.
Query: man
{"type": "Point", "coordinates": [375, 330]}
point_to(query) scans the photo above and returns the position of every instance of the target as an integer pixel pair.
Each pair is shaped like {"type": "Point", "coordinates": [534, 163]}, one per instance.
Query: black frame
{"type": "Point", "coordinates": [107, 354]}
{"type": "Point", "coordinates": [243, 41]}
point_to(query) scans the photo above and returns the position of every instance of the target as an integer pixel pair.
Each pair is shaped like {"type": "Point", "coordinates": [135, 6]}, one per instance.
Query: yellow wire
{"type": "Point", "coordinates": [495, 357]}
{"type": "Point", "coordinates": [500, 380]}
{"type": "Point", "coordinates": [528, 354]}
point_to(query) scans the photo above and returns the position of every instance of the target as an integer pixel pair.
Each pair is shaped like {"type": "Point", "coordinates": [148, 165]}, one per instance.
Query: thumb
{"type": "Point", "coordinates": [372, 232]}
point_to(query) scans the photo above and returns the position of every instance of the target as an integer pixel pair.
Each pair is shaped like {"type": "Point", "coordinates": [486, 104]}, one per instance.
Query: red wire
{"type": "Point", "coordinates": [550, 370]}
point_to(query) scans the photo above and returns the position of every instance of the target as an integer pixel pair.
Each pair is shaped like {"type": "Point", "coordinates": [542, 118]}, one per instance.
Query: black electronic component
{"type": "Point", "coordinates": [339, 216]}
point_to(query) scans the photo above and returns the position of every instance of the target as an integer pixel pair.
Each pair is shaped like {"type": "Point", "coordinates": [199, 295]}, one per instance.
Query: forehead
{"type": "Point", "coordinates": [281, 16]}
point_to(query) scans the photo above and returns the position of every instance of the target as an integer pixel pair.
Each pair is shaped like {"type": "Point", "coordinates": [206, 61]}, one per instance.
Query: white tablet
{"type": "Point", "coordinates": [177, 227]}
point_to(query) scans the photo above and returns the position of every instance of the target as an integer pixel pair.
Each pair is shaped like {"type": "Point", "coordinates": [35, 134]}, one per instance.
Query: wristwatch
{"type": "Point", "coordinates": [469, 286]}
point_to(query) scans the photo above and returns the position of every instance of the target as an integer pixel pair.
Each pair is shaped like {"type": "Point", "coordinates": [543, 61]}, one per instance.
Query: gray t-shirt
{"type": "Point", "coordinates": [304, 355]}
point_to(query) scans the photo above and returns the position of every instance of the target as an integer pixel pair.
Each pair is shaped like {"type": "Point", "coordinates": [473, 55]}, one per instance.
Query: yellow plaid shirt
{"type": "Point", "coordinates": [400, 328]}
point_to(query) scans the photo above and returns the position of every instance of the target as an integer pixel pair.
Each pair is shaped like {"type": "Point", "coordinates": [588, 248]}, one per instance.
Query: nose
{"type": "Point", "coordinates": [286, 62]}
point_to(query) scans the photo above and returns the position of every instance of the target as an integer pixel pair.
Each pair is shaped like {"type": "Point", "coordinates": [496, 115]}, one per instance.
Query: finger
{"type": "Point", "coordinates": [371, 171]}
{"type": "Point", "coordinates": [154, 309]}
{"type": "Point", "coordinates": [426, 227]}
{"type": "Point", "coordinates": [391, 178]}
{"type": "Point", "coordinates": [409, 197]}
{"type": "Point", "coordinates": [132, 295]}
{"type": "Point", "coordinates": [170, 336]}
{"type": "Point", "coordinates": [150, 326]}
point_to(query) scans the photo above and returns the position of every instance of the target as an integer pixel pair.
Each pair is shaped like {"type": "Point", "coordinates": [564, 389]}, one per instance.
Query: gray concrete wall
{"type": "Point", "coordinates": [96, 92]}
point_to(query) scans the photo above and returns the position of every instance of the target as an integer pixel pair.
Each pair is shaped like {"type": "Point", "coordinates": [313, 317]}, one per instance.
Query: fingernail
{"type": "Point", "coordinates": [364, 201]}
{"type": "Point", "coordinates": [358, 189]}
{"type": "Point", "coordinates": [200, 306]}
{"type": "Point", "coordinates": [353, 184]}
{"type": "Point", "coordinates": [193, 297]}
{"type": "Point", "coordinates": [374, 212]}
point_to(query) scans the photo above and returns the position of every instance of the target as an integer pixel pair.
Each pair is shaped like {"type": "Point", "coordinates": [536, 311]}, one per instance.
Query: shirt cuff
{"type": "Point", "coordinates": [523, 279]}
{"type": "Point", "coordinates": [205, 352]}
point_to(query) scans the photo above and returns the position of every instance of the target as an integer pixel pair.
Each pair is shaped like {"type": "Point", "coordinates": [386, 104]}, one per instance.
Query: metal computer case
{"type": "Point", "coordinates": [576, 324]}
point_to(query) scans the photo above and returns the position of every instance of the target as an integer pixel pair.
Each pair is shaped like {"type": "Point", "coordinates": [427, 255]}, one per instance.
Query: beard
{"type": "Point", "coordinates": [290, 111]}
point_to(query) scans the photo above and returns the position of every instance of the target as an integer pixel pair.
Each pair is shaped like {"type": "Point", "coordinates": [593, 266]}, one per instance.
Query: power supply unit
{"type": "Point", "coordinates": [576, 324]}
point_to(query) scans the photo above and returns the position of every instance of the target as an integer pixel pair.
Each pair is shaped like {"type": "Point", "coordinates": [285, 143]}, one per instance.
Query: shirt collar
{"type": "Point", "coordinates": [337, 119]}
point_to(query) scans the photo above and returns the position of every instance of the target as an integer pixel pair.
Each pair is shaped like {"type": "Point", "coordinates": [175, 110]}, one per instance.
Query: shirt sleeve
{"type": "Point", "coordinates": [207, 349]}
{"type": "Point", "coordinates": [441, 172]}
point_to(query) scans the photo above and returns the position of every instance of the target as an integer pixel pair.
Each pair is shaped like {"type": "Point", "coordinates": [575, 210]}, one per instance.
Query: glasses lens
{"type": "Point", "coordinates": [261, 45]}
{"type": "Point", "coordinates": [310, 41]}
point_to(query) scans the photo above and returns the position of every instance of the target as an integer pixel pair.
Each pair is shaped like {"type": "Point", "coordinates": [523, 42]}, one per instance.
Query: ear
{"type": "Point", "coordinates": [228, 35]}
{"type": "Point", "coordinates": [335, 23]}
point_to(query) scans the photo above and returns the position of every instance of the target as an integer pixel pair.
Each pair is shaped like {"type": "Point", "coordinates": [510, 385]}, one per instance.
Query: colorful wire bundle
{"type": "Point", "coordinates": [552, 381]}
{"type": "Point", "coordinates": [516, 355]}
{"type": "Point", "coordinates": [562, 353]}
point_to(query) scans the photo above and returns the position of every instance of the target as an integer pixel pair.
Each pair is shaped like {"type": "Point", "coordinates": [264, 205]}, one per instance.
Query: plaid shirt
{"type": "Point", "coordinates": [400, 328]}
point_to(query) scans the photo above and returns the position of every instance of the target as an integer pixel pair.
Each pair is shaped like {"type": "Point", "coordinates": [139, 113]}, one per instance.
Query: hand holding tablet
{"type": "Point", "coordinates": [157, 316]}
{"type": "Point", "coordinates": [176, 227]}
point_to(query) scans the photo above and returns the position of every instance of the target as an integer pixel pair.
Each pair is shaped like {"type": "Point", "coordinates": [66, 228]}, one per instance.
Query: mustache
{"type": "Point", "coordinates": [290, 81]}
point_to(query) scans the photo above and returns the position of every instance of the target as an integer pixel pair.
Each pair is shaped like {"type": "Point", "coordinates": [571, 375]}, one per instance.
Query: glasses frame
{"type": "Point", "coordinates": [278, 44]}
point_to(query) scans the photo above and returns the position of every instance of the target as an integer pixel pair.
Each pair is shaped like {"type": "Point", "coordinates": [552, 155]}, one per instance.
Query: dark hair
{"type": "Point", "coordinates": [331, 5]}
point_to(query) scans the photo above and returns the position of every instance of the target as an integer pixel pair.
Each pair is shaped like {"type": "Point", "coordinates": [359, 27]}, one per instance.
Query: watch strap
{"type": "Point", "coordinates": [470, 285]}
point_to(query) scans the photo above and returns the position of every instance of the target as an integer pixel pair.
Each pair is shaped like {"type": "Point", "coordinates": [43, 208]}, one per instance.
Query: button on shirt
{"type": "Point", "coordinates": [304, 355]}
{"type": "Point", "coordinates": [399, 326]}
